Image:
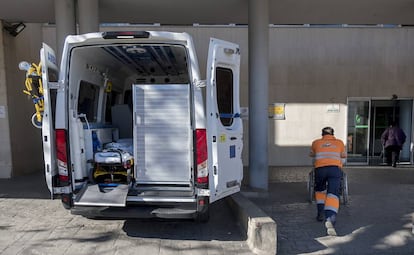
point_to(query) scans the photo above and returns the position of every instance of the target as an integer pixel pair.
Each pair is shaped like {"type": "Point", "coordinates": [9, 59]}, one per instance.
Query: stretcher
{"type": "Point", "coordinates": [112, 166]}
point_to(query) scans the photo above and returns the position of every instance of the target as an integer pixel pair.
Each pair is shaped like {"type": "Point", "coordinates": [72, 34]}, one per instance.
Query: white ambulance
{"type": "Point", "coordinates": [130, 130]}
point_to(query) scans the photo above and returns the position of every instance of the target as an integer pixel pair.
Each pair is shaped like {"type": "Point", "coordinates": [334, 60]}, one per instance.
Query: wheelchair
{"type": "Point", "coordinates": [343, 188]}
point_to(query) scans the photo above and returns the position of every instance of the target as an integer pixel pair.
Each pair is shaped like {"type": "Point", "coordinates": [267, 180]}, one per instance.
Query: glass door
{"type": "Point", "coordinates": [382, 112]}
{"type": "Point", "coordinates": [358, 131]}
{"type": "Point", "coordinates": [405, 123]}
{"type": "Point", "coordinates": [367, 120]}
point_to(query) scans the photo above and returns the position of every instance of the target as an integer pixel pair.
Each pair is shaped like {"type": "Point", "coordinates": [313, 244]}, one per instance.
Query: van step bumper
{"type": "Point", "coordinates": [136, 212]}
{"type": "Point", "coordinates": [93, 195]}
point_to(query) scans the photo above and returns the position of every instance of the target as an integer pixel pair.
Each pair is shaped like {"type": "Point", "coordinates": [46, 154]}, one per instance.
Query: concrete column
{"type": "Point", "coordinates": [65, 20]}
{"type": "Point", "coordinates": [5, 148]}
{"type": "Point", "coordinates": [88, 11]}
{"type": "Point", "coordinates": [258, 92]}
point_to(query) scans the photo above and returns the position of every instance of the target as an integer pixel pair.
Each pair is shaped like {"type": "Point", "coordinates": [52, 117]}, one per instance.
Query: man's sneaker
{"type": "Point", "coordinates": [320, 217]}
{"type": "Point", "coordinates": [330, 229]}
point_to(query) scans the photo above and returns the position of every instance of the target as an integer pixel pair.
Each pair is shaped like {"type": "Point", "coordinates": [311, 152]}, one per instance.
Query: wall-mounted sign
{"type": "Point", "coordinates": [332, 108]}
{"type": "Point", "coordinates": [277, 111]}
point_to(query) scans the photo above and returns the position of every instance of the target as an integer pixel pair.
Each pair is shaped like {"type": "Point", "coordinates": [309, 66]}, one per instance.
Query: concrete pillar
{"type": "Point", "coordinates": [88, 13]}
{"type": "Point", "coordinates": [65, 20]}
{"type": "Point", "coordinates": [5, 148]}
{"type": "Point", "coordinates": [258, 92]}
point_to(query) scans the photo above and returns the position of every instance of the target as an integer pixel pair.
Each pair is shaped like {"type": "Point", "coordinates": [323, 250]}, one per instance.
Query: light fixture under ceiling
{"type": "Point", "coordinates": [14, 29]}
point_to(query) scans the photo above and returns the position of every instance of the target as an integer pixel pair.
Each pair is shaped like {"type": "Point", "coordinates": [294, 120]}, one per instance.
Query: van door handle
{"type": "Point", "coordinates": [233, 138]}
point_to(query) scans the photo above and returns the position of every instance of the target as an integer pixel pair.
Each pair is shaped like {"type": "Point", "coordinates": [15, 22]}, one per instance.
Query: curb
{"type": "Point", "coordinates": [260, 229]}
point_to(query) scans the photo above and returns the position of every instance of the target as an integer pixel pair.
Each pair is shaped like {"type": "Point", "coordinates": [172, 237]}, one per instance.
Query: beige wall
{"type": "Point", "coordinates": [311, 69]}
{"type": "Point", "coordinates": [26, 147]}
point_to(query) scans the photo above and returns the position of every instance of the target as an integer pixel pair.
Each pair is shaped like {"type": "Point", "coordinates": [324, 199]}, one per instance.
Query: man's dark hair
{"type": "Point", "coordinates": [327, 131]}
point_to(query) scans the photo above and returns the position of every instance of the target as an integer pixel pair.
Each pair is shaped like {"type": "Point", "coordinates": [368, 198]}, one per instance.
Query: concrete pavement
{"type": "Point", "coordinates": [31, 223]}
{"type": "Point", "coordinates": [377, 220]}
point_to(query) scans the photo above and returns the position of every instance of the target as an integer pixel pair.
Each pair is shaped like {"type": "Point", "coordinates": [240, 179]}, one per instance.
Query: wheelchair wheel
{"type": "Point", "coordinates": [311, 186]}
{"type": "Point", "coordinates": [344, 189]}
{"type": "Point", "coordinates": [35, 122]}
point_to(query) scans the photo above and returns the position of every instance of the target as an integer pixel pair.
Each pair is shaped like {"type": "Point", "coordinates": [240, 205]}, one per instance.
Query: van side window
{"type": "Point", "coordinates": [224, 86]}
{"type": "Point", "coordinates": [88, 100]}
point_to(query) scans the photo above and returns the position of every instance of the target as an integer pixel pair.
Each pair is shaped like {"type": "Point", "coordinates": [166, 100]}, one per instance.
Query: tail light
{"type": "Point", "coordinates": [201, 147]}
{"type": "Point", "coordinates": [62, 157]}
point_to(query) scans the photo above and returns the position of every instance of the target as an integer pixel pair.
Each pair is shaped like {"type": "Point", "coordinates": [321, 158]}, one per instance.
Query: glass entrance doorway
{"type": "Point", "coordinates": [367, 120]}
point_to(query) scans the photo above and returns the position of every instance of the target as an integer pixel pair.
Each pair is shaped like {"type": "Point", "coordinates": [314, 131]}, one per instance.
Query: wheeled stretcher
{"type": "Point", "coordinates": [113, 166]}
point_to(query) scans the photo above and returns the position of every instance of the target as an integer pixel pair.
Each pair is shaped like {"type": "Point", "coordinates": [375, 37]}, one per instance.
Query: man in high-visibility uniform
{"type": "Point", "coordinates": [329, 154]}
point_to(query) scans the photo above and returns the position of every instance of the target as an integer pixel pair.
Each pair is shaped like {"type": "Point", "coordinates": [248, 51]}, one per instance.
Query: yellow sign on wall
{"type": "Point", "coordinates": [277, 111]}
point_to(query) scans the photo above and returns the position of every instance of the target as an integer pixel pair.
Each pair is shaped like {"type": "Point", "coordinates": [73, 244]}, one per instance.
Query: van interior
{"type": "Point", "coordinates": [112, 86]}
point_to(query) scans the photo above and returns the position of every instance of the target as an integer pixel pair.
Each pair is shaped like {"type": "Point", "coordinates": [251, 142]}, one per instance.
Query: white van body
{"type": "Point", "coordinates": [127, 131]}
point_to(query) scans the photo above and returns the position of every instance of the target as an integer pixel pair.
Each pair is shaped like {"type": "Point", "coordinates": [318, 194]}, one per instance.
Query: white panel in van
{"type": "Point", "coordinates": [162, 134]}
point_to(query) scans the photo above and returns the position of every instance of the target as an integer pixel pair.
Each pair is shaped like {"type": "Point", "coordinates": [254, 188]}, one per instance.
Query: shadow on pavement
{"type": "Point", "coordinates": [25, 186]}
{"type": "Point", "coordinates": [221, 226]}
{"type": "Point", "coordinates": [377, 219]}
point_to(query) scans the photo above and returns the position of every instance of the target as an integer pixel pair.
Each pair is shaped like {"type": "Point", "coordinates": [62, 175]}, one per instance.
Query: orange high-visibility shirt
{"type": "Point", "coordinates": [328, 151]}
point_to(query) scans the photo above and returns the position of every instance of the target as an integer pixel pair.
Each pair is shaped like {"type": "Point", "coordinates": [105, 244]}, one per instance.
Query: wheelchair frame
{"type": "Point", "coordinates": [343, 189]}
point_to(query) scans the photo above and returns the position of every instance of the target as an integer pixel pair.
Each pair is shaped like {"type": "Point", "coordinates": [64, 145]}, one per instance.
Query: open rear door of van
{"type": "Point", "coordinates": [224, 125]}
{"type": "Point", "coordinates": [50, 75]}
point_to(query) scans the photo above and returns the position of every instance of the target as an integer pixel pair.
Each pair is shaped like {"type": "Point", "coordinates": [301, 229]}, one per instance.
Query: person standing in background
{"type": "Point", "coordinates": [393, 139]}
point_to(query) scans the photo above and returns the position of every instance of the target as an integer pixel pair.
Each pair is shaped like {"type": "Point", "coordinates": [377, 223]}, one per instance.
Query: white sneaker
{"type": "Point", "coordinates": [330, 229]}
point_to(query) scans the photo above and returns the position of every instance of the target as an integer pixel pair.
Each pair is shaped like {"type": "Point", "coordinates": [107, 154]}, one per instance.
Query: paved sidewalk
{"type": "Point", "coordinates": [31, 223]}
{"type": "Point", "coordinates": [377, 219]}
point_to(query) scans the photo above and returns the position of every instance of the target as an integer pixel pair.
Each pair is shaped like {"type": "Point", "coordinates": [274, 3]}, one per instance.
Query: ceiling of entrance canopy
{"type": "Point", "coordinates": [184, 12]}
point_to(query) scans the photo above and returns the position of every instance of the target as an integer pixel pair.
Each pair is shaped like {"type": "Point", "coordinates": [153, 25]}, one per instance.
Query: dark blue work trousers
{"type": "Point", "coordinates": [328, 178]}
